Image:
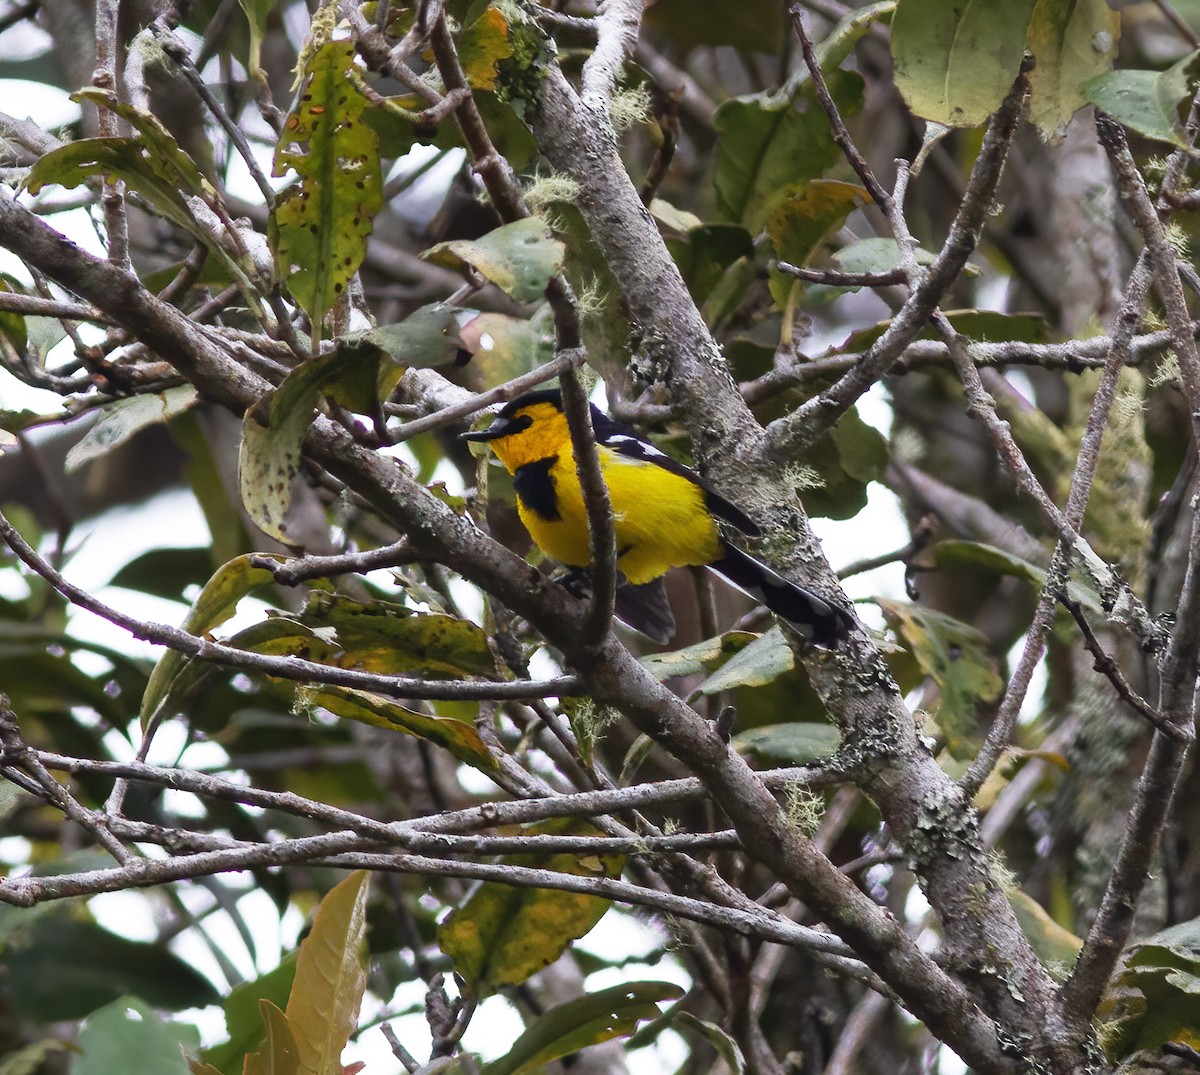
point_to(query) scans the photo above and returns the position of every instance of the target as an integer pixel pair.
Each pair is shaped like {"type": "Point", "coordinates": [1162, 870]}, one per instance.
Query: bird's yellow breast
{"type": "Point", "coordinates": [659, 518]}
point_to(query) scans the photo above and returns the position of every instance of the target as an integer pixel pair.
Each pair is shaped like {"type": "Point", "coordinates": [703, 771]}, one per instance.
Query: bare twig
{"type": "Point", "coordinates": [291, 668]}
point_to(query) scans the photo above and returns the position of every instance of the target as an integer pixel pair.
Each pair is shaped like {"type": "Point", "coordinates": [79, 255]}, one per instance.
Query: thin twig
{"type": "Point", "coordinates": [291, 668]}
{"type": "Point", "coordinates": [840, 134]}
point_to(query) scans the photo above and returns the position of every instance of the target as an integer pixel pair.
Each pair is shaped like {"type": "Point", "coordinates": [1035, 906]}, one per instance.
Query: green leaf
{"type": "Point", "coordinates": [955, 656]}
{"type": "Point", "coordinates": [221, 505]}
{"type": "Point", "coordinates": [956, 59]}
{"type": "Point", "coordinates": [257, 12]}
{"type": "Point", "coordinates": [119, 421]}
{"type": "Point", "coordinates": [12, 325]}
{"type": "Point", "coordinates": [769, 145]}
{"type": "Point", "coordinates": [1073, 42]}
{"type": "Point", "coordinates": [974, 555]}
{"type": "Point", "coordinates": [244, 1019]}
{"type": "Point", "coordinates": [701, 657]}
{"type": "Point", "coordinates": [519, 258]}
{"type": "Point", "coordinates": [216, 603]}
{"type": "Point", "coordinates": [798, 743]}
{"type": "Point", "coordinates": [1147, 101]}
{"type": "Point", "coordinates": [1055, 946]}
{"type": "Point", "coordinates": [461, 739]}
{"type": "Point", "coordinates": [726, 1048]}
{"type": "Point", "coordinates": [164, 573]}
{"type": "Point", "coordinates": [505, 347]}
{"type": "Point", "coordinates": [152, 164]}
{"type": "Point", "coordinates": [504, 934]}
{"type": "Point", "coordinates": [320, 225]}
{"type": "Point", "coordinates": [331, 976]}
{"type": "Point", "coordinates": [426, 338]}
{"type": "Point", "coordinates": [1155, 998]}
{"type": "Point", "coordinates": [875, 255]}
{"type": "Point", "coordinates": [280, 1053]}
{"type": "Point", "coordinates": [124, 1030]}
{"type": "Point", "coordinates": [273, 430]}
{"type": "Point", "coordinates": [762, 661]}
{"type": "Point", "coordinates": [587, 1020]}
{"type": "Point", "coordinates": [103, 967]}
{"type": "Point", "coordinates": [703, 255]}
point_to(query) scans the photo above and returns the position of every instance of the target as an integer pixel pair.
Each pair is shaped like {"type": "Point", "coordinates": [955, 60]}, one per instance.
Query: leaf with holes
{"type": "Point", "coordinates": [519, 258]}
{"type": "Point", "coordinates": [320, 225]}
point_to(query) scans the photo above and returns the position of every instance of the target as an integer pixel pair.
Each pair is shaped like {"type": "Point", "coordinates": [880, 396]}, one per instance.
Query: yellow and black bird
{"type": "Point", "coordinates": [664, 515]}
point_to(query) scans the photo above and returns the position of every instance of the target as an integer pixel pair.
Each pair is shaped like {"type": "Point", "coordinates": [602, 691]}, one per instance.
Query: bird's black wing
{"type": "Point", "coordinates": [624, 441]}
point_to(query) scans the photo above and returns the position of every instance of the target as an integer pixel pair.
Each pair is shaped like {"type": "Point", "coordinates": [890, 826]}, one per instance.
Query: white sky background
{"type": "Point", "coordinates": [174, 518]}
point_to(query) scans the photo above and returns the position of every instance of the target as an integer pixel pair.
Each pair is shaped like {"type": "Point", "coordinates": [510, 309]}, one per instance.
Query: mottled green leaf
{"type": "Point", "coordinates": [1147, 101]}
{"type": "Point", "coordinates": [504, 934]}
{"type": "Point", "coordinates": [321, 223]}
{"type": "Point", "coordinates": [120, 420]}
{"type": "Point", "coordinates": [505, 347]}
{"type": "Point", "coordinates": [1155, 998]}
{"type": "Point", "coordinates": [956, 59]}
{"type": "Point", "coordinates": [481, 46]}
{"type": "Point", "coordinates": [801, 222]}
{"type": "Point", "coordinates": [459, 738]}
{"type": "Point", "coordinates": [273, 430]}
{"type": "Point", "coordinates": [331, 976]}
{"type": "Point", "coordinates": [1073, 42]}
{"type": "Point", "coordinates": [389, 638]}
{"type": "Point", "coordinates": [519, 258]}
{"type": "Point", "coordinates": [587, 1020]}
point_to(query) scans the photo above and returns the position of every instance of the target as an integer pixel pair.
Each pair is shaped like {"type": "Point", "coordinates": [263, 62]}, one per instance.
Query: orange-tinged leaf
{"type": "Point", "coordinates": [331, 975]}
{"type": "Point", "coordinates": [279, 1053]}
{"type": "Point", "coordinates": [481, 46]}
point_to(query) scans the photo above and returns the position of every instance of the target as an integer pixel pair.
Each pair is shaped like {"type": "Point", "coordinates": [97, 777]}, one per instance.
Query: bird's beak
{"type": "Point", "coordinates": [500, 427]}
{"type": "Point", "coordinates": [490, 433]}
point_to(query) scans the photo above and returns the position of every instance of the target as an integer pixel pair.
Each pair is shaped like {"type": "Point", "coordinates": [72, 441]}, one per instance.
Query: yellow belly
{"type": "Point", "coordinates": [660, 519]}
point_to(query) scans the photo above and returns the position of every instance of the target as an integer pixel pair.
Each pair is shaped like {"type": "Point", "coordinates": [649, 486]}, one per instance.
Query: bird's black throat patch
{"type": "Point", "coordinates": [535, 488]}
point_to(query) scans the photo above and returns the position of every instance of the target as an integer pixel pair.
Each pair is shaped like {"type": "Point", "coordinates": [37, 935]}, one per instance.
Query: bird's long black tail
{"type": "Point", "coordinates": [817, 620]}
